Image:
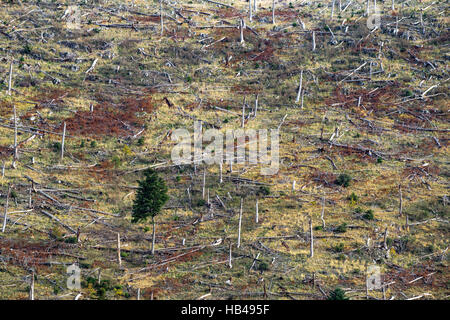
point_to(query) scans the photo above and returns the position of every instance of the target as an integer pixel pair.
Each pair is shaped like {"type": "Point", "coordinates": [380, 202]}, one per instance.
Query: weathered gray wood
{"type": "Point", "coordinates": [313, 41]}
{"type": "Point", "coordinates": [153, 236]}
{"type": "Point", "coordinates": [161, 17]}
{"type": "Point", "coordinates": [32, 286]}
{"type": "Point", "coordinates": [311, 238]}
{"type": "Point", "coordinates": [5, 216]}
{"type": "Point", "coordinates": [59, 221]}
{"type": "Point", "coordinates": [273, 11]}
{"type": "Point", "coordinates": [240, 225]}
{"type": "Point", "coordinates": [16, 154]}
{"type": "Point", "coordinates": [63, 140]}
{"type": "Point", "coordinates": [241, 28]}
{"type": "Point", "coordinates": [10, 77]}
{"type": "Point", "coordinates": [119, 257]}
{"type": "Point", "coordinates": [230, 258]}
{"type": "Point", "coordinates": [323, 213]}
{"type": "Point", "coordinates": [299, 92]}
{"type": "Point", "coordinates": [257, 211]}
{"type": "Point", "coordinates": [204, 183]}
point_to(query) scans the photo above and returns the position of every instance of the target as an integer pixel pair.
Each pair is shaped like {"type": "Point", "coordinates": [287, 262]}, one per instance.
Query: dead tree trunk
{"type": "Point", "coordinates": [299, 87]}
{"type": "Point", "coordinates": [204, 183]}
{"type": "Point", "coordinates": [255, 7]}
{"type": "Point", "coordinates": [230, 265]}
{"type": "Point", "coordinates": [240, 224]}
{"type": "Point", "coordinates": [32, 286]}
{"type": "Point", "coordinates": [78, 234]}
{"type": "Point", "coordinates": [332, 9]}
{"type": "Point", "coordinates": [385, 238]}
{"type": "Point", "coordinates": [15, 157]}
{"type": "Point", "coordinates": [322, 213]}
{"type": "Point", "coordinates": [63, 141]}
{"type": "Point", "coordinates": [257, 212]}
{"type": "Point", "coordinates": [367, 283]}
{"type": "Point", "coordinates": [313, 41]}
{"type": "Point", "coordinates": [243, 114]}
{"type": "Point", "coordinates": [3, 169]}
{"type": "Point", "coordinates": [311, 239]}
{"type": "Point", "coordinates": [161, 17]}
{"type": "Point", "coordinates": [5, 216]}
{"type": "Point", "coordinates": [241, 27]}
{"type": "Point", "coordinates": [220, 172]}
{"type": "Point", "coordinates": [256, 106]}
{"type": "Point", "coordinates": [119, 257]}
{"type": "Point", "coordinates": [400, 205]}
{"type": "Point", "coordinates": [273, 11]}
{"type": "Point", "coordinates": [153, 236]}
{"type": "Point", "coordinates": [10, 78]}
{"type": "Point", "coordinates": [30, 199]}
{"type": "Point", "coordinates": [250, 13]}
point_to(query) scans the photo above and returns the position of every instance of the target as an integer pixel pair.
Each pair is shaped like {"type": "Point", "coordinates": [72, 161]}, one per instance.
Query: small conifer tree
{"type": "Point", "coordinates": [150, 198]}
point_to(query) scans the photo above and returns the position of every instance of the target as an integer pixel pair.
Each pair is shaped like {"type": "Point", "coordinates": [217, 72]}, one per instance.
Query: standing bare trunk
{"type": "Point", "coordinates": [255, 7]}
{"type": "Point", "coordinates": [314, 41]}
{"type": "Point", "coordinates": [153, 236]}
{"type": "Point", "coordinates": [5, 216]}
{"type": "Point", "coordinates": [257, 212]}
{"type": "Point", "coordinates": [299, 87]}
{"type": "Point", "coordinates": [243, 114]}
{"type": "Point", "coordinates": [161, 17]}
{"type": "Point", "coordinates": [250, 13]}
{"type": "Point", "coordinates": [3, 169]}
{"type": "Point", "coordinates": [311, 240]}
{"type": "Point", "coordinates": [230, 257]}
{"type": "Point", "coordinates": [332, 9]}
{"type": "Point", "coordinates": [240, 224]}
{"type": "Point", "coordinates": [393, 5]}
{"type": "Point", "coordinates": [256, 105]}
{"type": "Point", "coordinates": [204, 183]}
{"type": "Point", "coordinates": [119, 257]}
{"type": "Point", "coordinates": [241, 27]}
{"type": "Point", "coordinates": [10, 78]}
{"type": "Point", "coordinates": [368, 8]}
{"type": "Point", "coordinates": [32, 286]}
{"type": "Point", "coordinates": [385, 238]}
{"type": "Point", "coordinates": [16, 154]}
{"type": "Point", "coordinates": [63, 141]}
{"type": "Point", "coordinates": [220, 172]}
{"type": "Point", "coordinates": [400, 205]}
{"type": "Point", "coordinates": [323, 213]}
{"type": "Point", "coordinates": [139, 293]}
{"type": "Point", "coordinates": [367, 283]}
{"type": "Point", "coordinates": [30, 199]}
{"type": "Point", "coordinates": [273, 11]}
